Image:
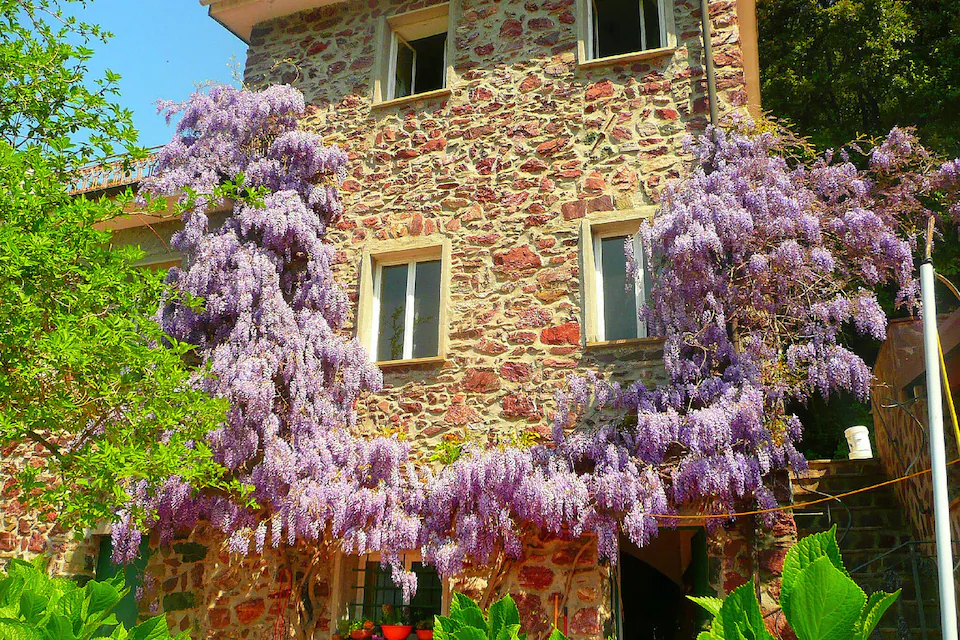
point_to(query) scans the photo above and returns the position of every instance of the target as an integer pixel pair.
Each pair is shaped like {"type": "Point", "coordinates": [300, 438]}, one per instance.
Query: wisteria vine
{"type": "Point", "coordinates": [760, 264]}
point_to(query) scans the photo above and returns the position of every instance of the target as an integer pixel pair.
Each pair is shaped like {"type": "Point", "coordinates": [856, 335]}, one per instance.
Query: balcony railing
{"type": "Point", "coordinates": [112, 173]}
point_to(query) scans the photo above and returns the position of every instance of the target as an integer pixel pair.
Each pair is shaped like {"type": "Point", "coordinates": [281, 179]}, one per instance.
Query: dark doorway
{"type": "Point", "coordinates": [650, 586]}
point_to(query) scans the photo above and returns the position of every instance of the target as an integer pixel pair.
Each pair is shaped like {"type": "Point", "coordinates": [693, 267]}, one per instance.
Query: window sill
{"type": "Point", "coordinates": [426, 95]}
{"type": "Point", "coordinates": [412, 362]}
{"type": "Point", "coordinates": [629, 342]}
{"type": "Point", "coordinates": [624, 58]}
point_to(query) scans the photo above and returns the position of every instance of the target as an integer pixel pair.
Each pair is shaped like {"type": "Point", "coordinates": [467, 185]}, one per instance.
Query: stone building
{"type": "Point", "coordinates": [500, 152]}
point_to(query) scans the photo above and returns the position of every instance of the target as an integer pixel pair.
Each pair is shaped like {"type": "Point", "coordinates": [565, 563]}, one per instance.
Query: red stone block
{"type": "Point", "coordinates": [535, 577]}
{"type": "Point", "coordinates": [567, 333]}
{"type": "Point", "coordinates": [602, 89]}
{"type": "Point", "coordinates": [219, 618]}
{"type": "Point", "coordinates": [585, 622]}
{"type": "Point", "coordinates": [516, 405]}
{"type": "Point", "coordinates": [481, 381]}
{"type": "Point", "coordinates": [517, 259]}
{"type": "Point", "coordinates": [516, 371]}
{"type": "Point", "coordinates": [250, 610]}
{"type": "Point", "coordinates": [511, 29]}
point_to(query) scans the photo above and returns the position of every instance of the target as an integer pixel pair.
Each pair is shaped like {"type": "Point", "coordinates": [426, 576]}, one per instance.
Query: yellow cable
{"type": "Point", "coordinates": [946, 390]}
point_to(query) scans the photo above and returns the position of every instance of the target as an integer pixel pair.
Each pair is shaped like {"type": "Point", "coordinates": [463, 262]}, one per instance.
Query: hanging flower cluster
{"type": "Point", "coordinates": [760, 264]}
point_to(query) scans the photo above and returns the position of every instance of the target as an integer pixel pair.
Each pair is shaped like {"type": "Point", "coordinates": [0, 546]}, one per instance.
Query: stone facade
{"type": "Point", "coordinates": [504, 168]}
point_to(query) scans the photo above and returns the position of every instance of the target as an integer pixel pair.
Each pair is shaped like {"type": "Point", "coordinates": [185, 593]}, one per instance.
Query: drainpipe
{"type": "Point", "coordinates": [708, 60]}
{"type": "Point", "coordinates": [938, 456]}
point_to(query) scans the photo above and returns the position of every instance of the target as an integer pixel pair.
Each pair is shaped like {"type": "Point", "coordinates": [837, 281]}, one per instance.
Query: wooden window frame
{"type": "Point", "coordinates": [394, 252]}
{"type": "Point", "coordinates": [403, 28]}
{"type": "Point", "coordinates": [587, 41]}
{"type": "Point", "coordinates": [592, 228]}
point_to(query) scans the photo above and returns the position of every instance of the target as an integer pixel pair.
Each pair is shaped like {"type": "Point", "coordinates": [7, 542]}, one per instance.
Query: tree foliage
{"type": "Point", "coordinates": [84, 373]}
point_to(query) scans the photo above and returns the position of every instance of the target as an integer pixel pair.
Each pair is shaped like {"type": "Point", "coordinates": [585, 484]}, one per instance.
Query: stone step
{"type": "Point", "coordinates": [878, 497]}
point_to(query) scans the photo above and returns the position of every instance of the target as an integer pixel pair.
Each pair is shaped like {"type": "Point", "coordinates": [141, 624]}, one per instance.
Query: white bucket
{"type": "Point", "coordinates": [858, 439]}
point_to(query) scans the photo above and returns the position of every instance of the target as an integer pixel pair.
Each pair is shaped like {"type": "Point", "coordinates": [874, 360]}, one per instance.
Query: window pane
{"type": "Point", "coordinates": [404, 75]}
{"type": "Point", "coordinates": [617, 27]}
{"type": "Point", "coordinates": [426, 310]}
{"type": "Point", "coordinates": [428, 601]}
{"type": "Point", "coordinates": [393, 295]}
{"type": "Point", "coordinates": [651, 23]}
{"type": "Point", "coordinates": [430, 67]}
{"type": "Point", "coordinates": [619, 300]}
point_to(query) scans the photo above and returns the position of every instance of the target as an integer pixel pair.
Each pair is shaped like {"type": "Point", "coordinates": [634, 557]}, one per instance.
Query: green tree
{"type": "Point", "coordinates": [839, 69]}
{"type": "Point", "coordinates": [85, 372]}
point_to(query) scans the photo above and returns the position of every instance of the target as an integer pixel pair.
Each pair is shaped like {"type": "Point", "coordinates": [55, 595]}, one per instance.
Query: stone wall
{"type": "Point", "coordinates": [901, 429]}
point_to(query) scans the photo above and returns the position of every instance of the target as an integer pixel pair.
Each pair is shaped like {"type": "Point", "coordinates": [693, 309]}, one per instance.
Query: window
{"type": "Point", "coordinates": [618, 296]}
{"type": "Point", "coordinates": [621, 27]}
{"type": "Point", "coordinates": [407, 309]}
{"type": "Point", "coordinates": [374, 587]}
{"type": "Point", "coordinates": [611, 299]}
{"type": "Point", "coordinates": [128, 608]}
{"type": "Point", "coordinates": [415, 57]}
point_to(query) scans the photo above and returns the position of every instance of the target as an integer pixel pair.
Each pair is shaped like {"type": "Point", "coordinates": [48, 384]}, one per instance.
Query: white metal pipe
{"type": "Point", "coordinates": [938, 456]}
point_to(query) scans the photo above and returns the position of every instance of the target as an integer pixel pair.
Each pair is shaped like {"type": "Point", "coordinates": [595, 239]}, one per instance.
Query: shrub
{"type": "Point", "coordinates": [817, 595]}
{"type": "Point", "coordinates": [34, 606]}
{"type": "Point", "coordinates": [467, 622]}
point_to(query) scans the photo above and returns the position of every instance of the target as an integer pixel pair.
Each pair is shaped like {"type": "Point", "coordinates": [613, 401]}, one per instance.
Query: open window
{"type": "Point", "coordinates": [415, 57]}
{"type": "Point", "coordinates": [623, 27]}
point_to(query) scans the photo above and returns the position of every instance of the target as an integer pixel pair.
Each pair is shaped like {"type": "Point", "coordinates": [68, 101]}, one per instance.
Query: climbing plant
{"type": "Point", "coordinates": [762, 254]}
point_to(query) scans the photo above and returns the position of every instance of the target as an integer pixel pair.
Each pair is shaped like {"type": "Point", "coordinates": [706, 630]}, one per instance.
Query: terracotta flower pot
{"type": "Point", "coordinates": [396, 631]}
{"type": "Point", "coordinates": [361, 634]}
{"type": "Point", "coordinates": [424, 634]}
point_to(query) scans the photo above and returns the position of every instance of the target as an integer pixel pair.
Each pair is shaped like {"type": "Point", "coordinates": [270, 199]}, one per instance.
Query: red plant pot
{"type": "Point", "coordinates": [424, 634]}
{"type": "Point", "coordinates": [396, 631]}
{"type": "Point", "coordinates": [361, 634]}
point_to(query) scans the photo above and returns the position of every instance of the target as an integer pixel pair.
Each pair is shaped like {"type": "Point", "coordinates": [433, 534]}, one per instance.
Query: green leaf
{"type": "Point", "coordinates": [824, 604]}
{"type": "Point", "coordinates": [805, 553]}
{"type": "Point", "coordinates": [470, 633]}
{"type": "Point", "coordinates": [32, 606]}
{"type": "Point", "coordinates": [711, 604]}
{"type": "Point", "coordinates": [59, 627]}
{"type": "Point", "coordinates": [153, 629]}
{"type": "Point", "coordinates": [17, 630]}
{"type": "Point", "coordinates": [502, 613]}
{"type": "Point", "coordinates": [741, 615]}
{"type": "Point", "coordinates": [467, 612]}
{"type": "Point", "coordinates": [877, 604]}
{"type": "Point", "coordinates": [556, 634]}
{"type": "Point", "coordinates": [102, 597]}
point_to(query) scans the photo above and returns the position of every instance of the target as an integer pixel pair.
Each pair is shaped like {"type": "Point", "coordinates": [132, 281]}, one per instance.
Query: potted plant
{"type": "Point", "coordinates": [361, 629]}
{"type": "Point", "coordinates": [391, 623]}
{"type": "Point", "coordinates": [425, 629]}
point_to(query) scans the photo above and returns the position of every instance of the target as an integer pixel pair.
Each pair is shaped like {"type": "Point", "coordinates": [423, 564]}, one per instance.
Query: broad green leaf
{"type": "Point", "coordinates": [877, 604]}
{"type": "Point", "coordinates": [470, 633]}
{"type": "Point", "coordinates": [101, 598]}
{"type": "Point", "coordinates": [806, 552]}
{"type": "Point", "coordinates": [17, 630]}
{"type": "Point", "coordinates": [741, 615]}
{"type": "Point", "coordinates": [444, 627]}
{"type": "Point", "coordinates": [711, 604]}
{"type": "Point", "coordinates": [510, 632]}
{"type": "Point", "coordinates": [824, 604]}
{"type": "Point", "coordinates": [59, 627]}
{"type": "Point", "coordinates": [467, 612]}
{"type": "Point", "coordinates": [502, 613]}
{"type": "Point", "coordinates": [153, 629]}
{"type": "Point", "coordinates": [556, 634]}
{"type": "Point", "coordinates": [33, 605]}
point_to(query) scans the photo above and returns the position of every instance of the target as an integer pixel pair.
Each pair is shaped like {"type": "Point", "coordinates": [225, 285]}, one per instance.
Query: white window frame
{"type": "Point", "coordinates": [396, 40]}
{"type": "Point", "coordinates": [589, 38]}
{"type": "Point", "coordinates": [593, 38]}
{"type": "Point", "coordinates": [402, 30]}
{"type": "Point", "coordinates": [639, 289]}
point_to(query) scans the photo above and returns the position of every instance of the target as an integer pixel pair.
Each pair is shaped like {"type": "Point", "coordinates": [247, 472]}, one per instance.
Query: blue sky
{"type": "Point", "coordinates": [162, 49]}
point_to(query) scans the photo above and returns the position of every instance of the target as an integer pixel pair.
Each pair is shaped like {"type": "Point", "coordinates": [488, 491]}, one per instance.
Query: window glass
{"type": "Point", "coordinates": [431, 53]}
{"type": "Point", "coordinates": [404, 71]}
{"type": "Point", "coordinates": [624, 26]}
{"type": "Point", "coordinates": [379, 589]}
{"type": "Point", "coordinates": [426, 309]}
{"type": "Point", "coordinates": [619, 297]}
{"type": "Point", "coordinates": [393, 296]}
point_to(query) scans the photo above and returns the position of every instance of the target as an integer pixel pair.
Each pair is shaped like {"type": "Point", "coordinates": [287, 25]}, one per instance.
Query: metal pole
{"type": "Point", "coordinates": [708, 60]}
{"type": "Point", "coordinates": [938, 456]}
